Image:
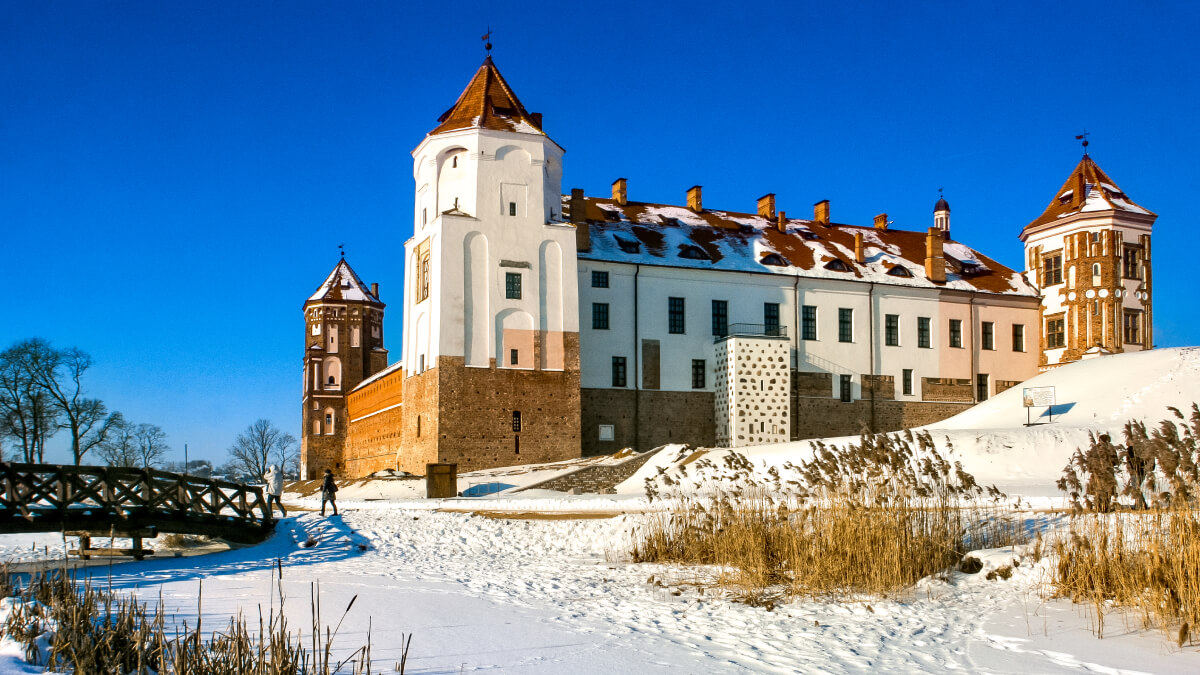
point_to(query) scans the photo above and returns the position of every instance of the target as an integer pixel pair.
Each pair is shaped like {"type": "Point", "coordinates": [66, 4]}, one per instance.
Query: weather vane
{"type": "Point", "coordinates": [487, 41]}
{"type": "Point", "coordinates": [1083, 137]}
{"type": "Point", "coordinates": [939, 192]}
{"type": "Point", "coordinates": [342, 249]}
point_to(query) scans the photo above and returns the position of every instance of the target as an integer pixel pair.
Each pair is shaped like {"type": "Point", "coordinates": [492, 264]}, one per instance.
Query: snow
{"type": "Point", "coordinates": [351, 286]}
{"type": "Point", "coordinates": [557, 595]}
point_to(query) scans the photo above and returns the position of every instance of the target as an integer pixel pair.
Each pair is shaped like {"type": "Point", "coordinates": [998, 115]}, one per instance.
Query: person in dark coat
{"type": "Point", "coordinates": [328, 490]}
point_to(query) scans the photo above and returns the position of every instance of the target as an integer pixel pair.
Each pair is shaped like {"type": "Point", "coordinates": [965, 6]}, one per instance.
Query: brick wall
{"type": "Point", "coordinates": [812, 384]}
{"type": "Point", "coordinates": [947, 389]}
{"type": "Point", "coordinates": [418, 438]}
{"type": "Point", "coordinates": [821, 417]}
{"type": "Point", "coordinates": [377, 426]}
{"type": "Point", "coordinates": [664, 417]}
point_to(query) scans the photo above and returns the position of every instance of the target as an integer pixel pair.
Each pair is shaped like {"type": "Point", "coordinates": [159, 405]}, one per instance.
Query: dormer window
{"type": "Point", "coordinates": [900, 271]}
{"type": "Point", "coordinates": [694, 253]}
{"type": "Point", "coordinates": [612, 216]}
{"type": "Point", "coordinates": [774, 260]}
{"type": "Point", "coordinates": [1065, 198]}
{"type": "Point", "coordinates": [628, 246]}
{"type": "Point", "coordinates": [837, 266]}
{"type": "Point", "coordinates": [808, 235]}
{"type": "Point", "coordinates": [670, 221]}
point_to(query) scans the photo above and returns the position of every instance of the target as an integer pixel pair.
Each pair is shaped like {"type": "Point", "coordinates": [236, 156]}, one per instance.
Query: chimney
{"type": "Point", "coordinates": [766, 205]}
{"type": "Point", "coordinates": [620, 191]}
{"type": "Point", "coordinates": [881, 221]}
{"type": "Point", "coordinates": [821, 212]}
{"type": "Point", "coordinates": [537, 119]}
{"type": "Point", "coordinates": [859, 257]}
{"type": "Point", "coordinates": [694, 202]}
{"type": "Point", "coordinates": [375, 290]}
{"type": "Point", "coordinates": [935, 262]}
{"type": "Point", "coordinates": [583, 232]}
{"type": "Point", "coordinates": [781, 224]}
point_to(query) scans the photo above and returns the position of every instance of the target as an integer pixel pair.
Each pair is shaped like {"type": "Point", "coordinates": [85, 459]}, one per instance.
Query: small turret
{"type": "Point", "coordinates": [941, 216]}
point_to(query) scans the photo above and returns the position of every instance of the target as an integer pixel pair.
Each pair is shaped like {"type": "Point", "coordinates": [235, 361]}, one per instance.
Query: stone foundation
{"type": "Point", "coordinates": [663, 417]}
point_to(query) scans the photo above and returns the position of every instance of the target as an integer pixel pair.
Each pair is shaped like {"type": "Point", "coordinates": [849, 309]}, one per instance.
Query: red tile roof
{"type": "Point", "coordinates": [656, 234]}
{"type": "Point", "coordinates": [488, 103]}
{"type": "Point", "coordinates": [1087, 189]}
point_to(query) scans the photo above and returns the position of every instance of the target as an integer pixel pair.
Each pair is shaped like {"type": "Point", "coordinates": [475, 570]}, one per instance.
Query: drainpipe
{"type": "Point", "coordinates": [637, 370]}
{"type": "Point", "coordinates": [794, 433]}
{"type": "Point", "coordinates": [871, 345]}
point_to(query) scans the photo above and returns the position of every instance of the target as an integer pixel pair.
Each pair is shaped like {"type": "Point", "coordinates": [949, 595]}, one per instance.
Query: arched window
{"type": "Point", "coordinates": [1095, 274]}
{"type": "Point", "coordinates": [774, 259]}
{"type": "Point", "coordinates": [837, 266]}
{"type": "Point", "coordinates": [900, 271]}
{"type": "Point", "coordinates": [333, 373]}
{"type": "Point", "coordinates": [328, 421]}
{"type": "Point", "coordinates": [694, 253]}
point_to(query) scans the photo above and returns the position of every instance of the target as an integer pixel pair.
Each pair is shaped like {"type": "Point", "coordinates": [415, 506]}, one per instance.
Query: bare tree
{"type": "Point", "coordinates": [151, 444]}
{"type": "Point", "coordinates": [120, 448]}
{"type": "Point", "coordinates": [59, 373]}
{"type": "Point", "coordinates": [26, 414]}
{"type": "Point", "coordinates": [259, 446]}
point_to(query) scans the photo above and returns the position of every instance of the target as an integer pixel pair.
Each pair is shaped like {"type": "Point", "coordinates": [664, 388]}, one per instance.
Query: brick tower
{"type": "Point", "coordinates": [491, 321]}
{"type": "Point", "coordinates": [343, 345]}
{"type": "Point", "coordinates": [1089, 253]}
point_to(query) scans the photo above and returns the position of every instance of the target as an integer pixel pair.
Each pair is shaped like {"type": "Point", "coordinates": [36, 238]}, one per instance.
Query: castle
{"type": "Point", "coordinates": [540, 326]}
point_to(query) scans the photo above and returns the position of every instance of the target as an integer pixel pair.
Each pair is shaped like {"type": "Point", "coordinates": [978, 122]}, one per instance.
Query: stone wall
{"type": "Point", "coordinates": [476, 409]}
{"type": "Point", "coordinates": [663, 417]}
{"type": "Point", "coordinates": [596, 479]}
{"type": "Point", "coordinates": [419, 429]}
{"type": "Point", "coordinates": [947, 390]}
{"type": "Point", "coordinates": [821, 417]}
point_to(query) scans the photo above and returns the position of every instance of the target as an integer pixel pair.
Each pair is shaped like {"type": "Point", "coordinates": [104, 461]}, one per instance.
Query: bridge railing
{"type": "Point", "coordinates": [75, 494]}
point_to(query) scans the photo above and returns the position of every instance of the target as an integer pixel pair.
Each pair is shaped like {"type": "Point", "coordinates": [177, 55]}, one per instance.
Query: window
{"type": "Point", "coordinates": [923, 337]}
{"type": "Point", "coordinates": [354, 338]}
{"type": "Point", "coordinates": [600, 315]}
{"type": "Point", "coordinates": [956, 333]}
{"type": "Point", "coordinates": [606, 432]}
{"type": "Point", "coordinates": [675, 323]}
{"type": "Point", "coordinates": [599, 279]}
{"type": "Point", "coordinates": [698, 370]}
{"type": "Point", "coordinates": [329, 421]}
{"type": "Point", "coordinates": [516, 421]}
{"type": "Point", "coordinates": [422, 259]}
{"type": "Point", "coordinates": [844, 388]}
{"type": "Point", "coordinates": [900, 271]}
{"type": "Point", "coordinates": [837, 266]}
{"type": "Point", "coordinates": [1056, 333]}
{"type": "Point", "coordinates": [845, 324]}
{"type": "Point", "coordinates": [1133, 324]}
{"type": "Point", "coordinates": [694, 253]}
{"type": "Point", "coordinates": [1018, 337]}
{"type": "Point", "coordinates": [907, 381]}
{"type": "Point", "coordinates": [1131, 269]}
{"type": "Point", "coordinates": [1052, 270]}
{"type": "Point", "coordinates": [512, 208]}
{"type": "Point", "coordinates": [774, 260]}
{"type": "Point", "coordinates": [988, 335]}
{"type": "Point", "coordinates": [514, 357]}
{"type": "Point", "coordinates": [771, 318]}
{"type": "Point", "coordinates": [512, 285]}
{"type": "Point", "coordinates": [809, 322]}
{"type": "Point", "coordinates": [891, 330]}
{"type": "Point", "coordinates": [1096, 278]}
{"type": "Point", "coordinates": [618, 371]}
{"type": "Point", "coordinates": [720, 318]}
{"type": "Point", "coordinates": [424, 216]}
{"type": "Point", "coordinates": [418, 426]}
{"type": "Point", "coordinates": [981, 387]}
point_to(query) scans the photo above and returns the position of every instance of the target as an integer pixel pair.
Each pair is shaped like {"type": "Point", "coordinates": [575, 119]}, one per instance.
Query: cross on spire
{"type": "Point", "coordinates": [342, 249]}
{"type": "Point", "coordinates": [487, 41]}
{"type": "Point", "coordinates": [1083, 137]}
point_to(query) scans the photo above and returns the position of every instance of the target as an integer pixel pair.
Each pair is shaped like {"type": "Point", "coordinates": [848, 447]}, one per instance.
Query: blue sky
{"type": "Point", "coordinates": [176, 176]}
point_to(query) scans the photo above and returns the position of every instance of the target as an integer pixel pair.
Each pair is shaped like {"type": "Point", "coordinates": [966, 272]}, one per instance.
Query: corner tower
{"type": "Point", "coordinates": [343, 345]}
{"type": "Point", "coordinates": [491, 335]}
{"type": "Point", "coordinates": [1089, 253]}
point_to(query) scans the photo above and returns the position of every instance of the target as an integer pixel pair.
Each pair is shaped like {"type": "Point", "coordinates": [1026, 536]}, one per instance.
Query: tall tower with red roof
{"type": "Point", "coordinates": [1089, 253]}
{"type": "Point", "coordinates": [491, 322]}
{"type": "Point", "coordinates": [343, 345]}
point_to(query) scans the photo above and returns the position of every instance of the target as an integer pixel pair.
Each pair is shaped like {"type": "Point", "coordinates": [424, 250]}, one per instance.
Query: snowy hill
{"type": "Point", "coordinates": [991, 439]}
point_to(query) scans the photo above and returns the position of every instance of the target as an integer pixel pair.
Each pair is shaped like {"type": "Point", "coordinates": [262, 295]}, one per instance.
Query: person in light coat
{"type": "Point", "coordinates": [274, 481]}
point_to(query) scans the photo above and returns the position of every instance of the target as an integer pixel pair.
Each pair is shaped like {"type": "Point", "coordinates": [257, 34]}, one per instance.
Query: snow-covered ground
{"type": "Point", "coordinates": [556, 595]}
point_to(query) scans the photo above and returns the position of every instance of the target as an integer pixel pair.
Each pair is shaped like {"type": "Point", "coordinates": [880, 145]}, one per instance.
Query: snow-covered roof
{"type": "Point", "coordinates": [343, 284]}
{"type": "Point", "coordinates": [674, 236]}
{"type": "Point", "coordinates": [488, 103]}
{"type": "Point", "coordinates": [1087, 190]}
{"type": "Point", "coordinates": [383, 373]}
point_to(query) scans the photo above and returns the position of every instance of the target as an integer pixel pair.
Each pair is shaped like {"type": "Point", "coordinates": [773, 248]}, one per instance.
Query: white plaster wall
{"type": "Point", "coordinates": [758, 388]}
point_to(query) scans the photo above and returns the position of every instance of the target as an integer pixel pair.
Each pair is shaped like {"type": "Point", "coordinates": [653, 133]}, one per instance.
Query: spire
{"type": "Point", "coordinates": [1087, 189]}
{"type": "Point", "coordinates": [343, 284]}
{"type": "Point", "coordinates": [489, 103]}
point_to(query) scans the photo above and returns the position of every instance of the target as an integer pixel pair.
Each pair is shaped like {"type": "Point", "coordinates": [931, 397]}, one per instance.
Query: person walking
{"type": "Point", "coordinates": [274, 480]}
{"type": "Point", "coordinates": [328, 490]}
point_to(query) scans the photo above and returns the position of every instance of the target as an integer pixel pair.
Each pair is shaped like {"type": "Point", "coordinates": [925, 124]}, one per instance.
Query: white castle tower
{"type": "Point", "coordinates": [491, 335]}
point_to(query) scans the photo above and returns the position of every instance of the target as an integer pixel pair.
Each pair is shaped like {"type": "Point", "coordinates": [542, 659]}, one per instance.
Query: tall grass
{"type": "Point", "coordinates": [870, 518]}
{"type": "Point", "coordinates": [69, 625]}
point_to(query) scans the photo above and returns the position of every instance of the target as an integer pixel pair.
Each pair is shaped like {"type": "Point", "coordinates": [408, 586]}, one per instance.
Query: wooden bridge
{"type": "Point", "coordinates": [99, 500]}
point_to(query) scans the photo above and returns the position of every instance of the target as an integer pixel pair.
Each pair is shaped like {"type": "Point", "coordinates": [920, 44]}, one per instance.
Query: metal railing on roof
{"type": "Point", "coordinates": [757, 330]}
